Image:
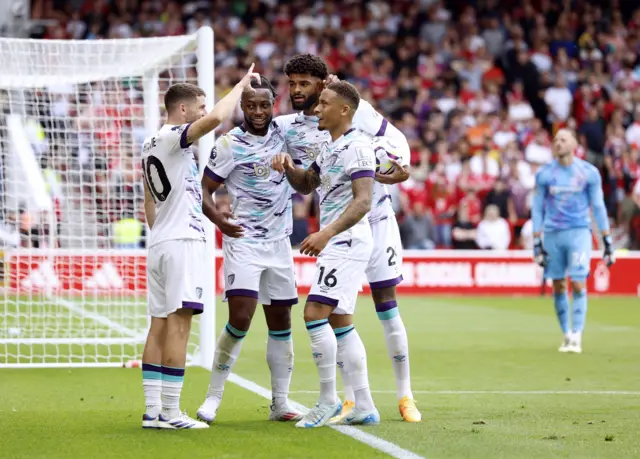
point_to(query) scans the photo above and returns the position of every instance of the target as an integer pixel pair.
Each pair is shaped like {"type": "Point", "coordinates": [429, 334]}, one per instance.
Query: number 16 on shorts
{"type": "Point", "coordinates": [336, 283]}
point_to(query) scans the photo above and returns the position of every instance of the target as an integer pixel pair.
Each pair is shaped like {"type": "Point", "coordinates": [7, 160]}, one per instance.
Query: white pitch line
{"type": "Point", "coordinates": [378, 443]}
{"type": "Point", "coordinates": [497, 392]}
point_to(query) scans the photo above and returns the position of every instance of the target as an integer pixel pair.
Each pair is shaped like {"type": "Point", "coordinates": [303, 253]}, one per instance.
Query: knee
{"type": "Point", "coordinates": [240, 318]}
{"type": "Point", "coordinates": [559, 286]}
{"type": "Point", "coordinates": [578, 288]}
{"type": "Point", "coordinates": [313, 313]}
{"type": "Point", "coordinates": [383, 295]}
{"type": "Point", "coordinates": [278, 317]}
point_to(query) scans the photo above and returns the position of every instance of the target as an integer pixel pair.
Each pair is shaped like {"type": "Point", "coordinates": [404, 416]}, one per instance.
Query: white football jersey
{"type": "Point", "coordinates": [303, 138]}
{"type": "Point", "coordinates": [348, 158]}
{"type": "Point", "coordinates": [171, 174]}
{"type": "Point", "coordinates": [260, 196]}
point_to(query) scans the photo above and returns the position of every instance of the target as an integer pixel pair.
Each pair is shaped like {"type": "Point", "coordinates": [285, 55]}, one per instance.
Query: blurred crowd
{"type": "Point", "coordinates": [478, 88]}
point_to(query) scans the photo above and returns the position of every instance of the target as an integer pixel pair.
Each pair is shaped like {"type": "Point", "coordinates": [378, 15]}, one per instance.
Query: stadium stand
{"type": "Point", "coordinates": [477, 87]}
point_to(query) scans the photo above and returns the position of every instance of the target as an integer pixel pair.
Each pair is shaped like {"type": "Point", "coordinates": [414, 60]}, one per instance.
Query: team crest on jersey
{"type": "Point", "coordinates": [199, 292]}
{"type": "Point", "coordinates": [231, 278]}
{"type": "Point", "coordinates": [261, 170]}
{"type": "Point", "coordinates": [313, 152]}
{"type": "Point", "coordinates": [325, 183]}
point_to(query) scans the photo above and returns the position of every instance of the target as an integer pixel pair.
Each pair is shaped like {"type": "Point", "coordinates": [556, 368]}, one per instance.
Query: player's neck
{"type": "Point", "coordinates": [566, 160]}
{"type": "Point", "coordinates": [339, 131]}
{"type": "Point", "coordinates": [310, 111]}
{"type": "Point", "coordinates": [174, 121]}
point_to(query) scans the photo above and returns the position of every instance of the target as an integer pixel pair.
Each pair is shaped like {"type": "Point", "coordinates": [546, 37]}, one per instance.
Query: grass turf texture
{"type": "Point", "coordinates": [495, 345]}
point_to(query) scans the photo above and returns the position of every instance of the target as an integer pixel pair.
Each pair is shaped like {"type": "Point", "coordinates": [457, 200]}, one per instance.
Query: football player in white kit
{"type": "Point", "coordinates": [258, 260]}
{"type": "Point", "coordinates": [176, 265]}
{"type": "Point", "coordinates": [307, 75]}
{"type": "Point", "coordinates": [343, 172]}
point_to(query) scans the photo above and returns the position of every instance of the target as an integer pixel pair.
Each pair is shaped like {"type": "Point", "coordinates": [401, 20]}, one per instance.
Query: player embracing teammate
{"type": "Point", "coordinates": [305, 143]}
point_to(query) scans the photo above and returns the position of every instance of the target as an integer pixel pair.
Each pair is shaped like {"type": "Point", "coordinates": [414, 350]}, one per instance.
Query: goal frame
{"type": "Point", "coordinates": [204, 42]}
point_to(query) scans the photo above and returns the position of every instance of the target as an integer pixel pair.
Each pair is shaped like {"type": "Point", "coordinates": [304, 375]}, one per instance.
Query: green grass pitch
{"type": "Point", "coordinates": [485, 371]}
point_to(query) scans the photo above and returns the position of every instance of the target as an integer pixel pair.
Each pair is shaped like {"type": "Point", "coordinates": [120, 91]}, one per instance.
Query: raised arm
{"type": "Point", "coordinates": [301, 180]}
{"type": "Point", "coordinates": [362, 189]}
{"type": "Point", "coordinates": [222, 110]}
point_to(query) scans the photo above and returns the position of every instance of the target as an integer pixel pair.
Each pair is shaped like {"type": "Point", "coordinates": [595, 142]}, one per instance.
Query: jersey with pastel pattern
{"type": "Point", "coordinates": [171, 173]}
{"type": "Point", "coordinates": [304, 140]}
{"type": "Point", "coordinates": [339, 163]}
{"type": "Point", "coordinates": [565, 195]}
{"type": "Point", "coordinates": [260, 196]}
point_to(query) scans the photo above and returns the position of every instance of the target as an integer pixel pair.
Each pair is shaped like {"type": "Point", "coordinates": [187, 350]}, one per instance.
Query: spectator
{"type": "Point", "coordinates": [500, 197]}
{"type": "Point", "coordinates": [464, 232]}
{"type": "Point", "coordinates": [493, 231]}
{"type": "Point", "coordinates": [442, 81]}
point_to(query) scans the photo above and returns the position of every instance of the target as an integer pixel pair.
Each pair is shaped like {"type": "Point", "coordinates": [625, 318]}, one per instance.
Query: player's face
{"type": "Point", "coordinates": [563, 144]}
{"type": "Point", "coordinates": [304, 90]}
{"type": "Point", "coordinates": [329, 110]}
{"type": "Point", "coordinates": [194, 110]}
{"type": "Point", "coordinates": [257, 109]}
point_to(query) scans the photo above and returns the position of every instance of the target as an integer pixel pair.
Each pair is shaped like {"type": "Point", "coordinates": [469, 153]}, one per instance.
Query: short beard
{"type": "Point", "coordinates": [307, 104]}
{"type": "Point", "coordinates": [262, 131]}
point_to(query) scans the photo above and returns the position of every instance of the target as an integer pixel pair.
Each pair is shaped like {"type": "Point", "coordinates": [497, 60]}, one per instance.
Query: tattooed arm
{"type": "Point", "coordinates": [362, 189]}
{"type": "Point", "coordinates": [301, 180]}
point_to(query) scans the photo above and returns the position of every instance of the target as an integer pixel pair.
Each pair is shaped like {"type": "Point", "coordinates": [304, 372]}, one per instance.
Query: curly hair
{"type": "Point", "coordinates": [346, 91]}
{"type": "Point", "coordinates": [307, 63]}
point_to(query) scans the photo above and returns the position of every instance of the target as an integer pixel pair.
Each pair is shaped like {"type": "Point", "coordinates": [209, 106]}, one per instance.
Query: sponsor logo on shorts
{"type": "Point", "coordinates": [231, 278]}
{"type": "Point", "coordinates": [199, 292]}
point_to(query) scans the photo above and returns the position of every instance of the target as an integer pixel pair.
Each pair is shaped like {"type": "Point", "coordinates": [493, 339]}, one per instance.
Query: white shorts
{"type": "Point", "coordinates": [385, 265]}
{"type": "Point", "coordinates": [264, 271]}
{"type": "Point", "coordinates": [176, 276]}
{"type": "Point", "coordinates": [337, 282]}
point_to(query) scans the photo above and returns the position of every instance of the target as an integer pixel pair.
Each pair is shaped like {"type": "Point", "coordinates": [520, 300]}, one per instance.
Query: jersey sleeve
{"type": "Point", "coordinates": [360, 161]}
{"type": "Point", "coordinates": [369, 121]}
{"type": "Point", "coordinates": [221, 161]}
{"type": "Point", "coordinates": [596, 199]}
{"type": "Point", "coordinates": [537, 208]}
{"type": "Point", "coordinates": [175, 138]}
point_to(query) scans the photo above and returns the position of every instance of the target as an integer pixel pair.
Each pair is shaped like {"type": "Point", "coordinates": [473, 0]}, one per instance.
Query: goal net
{"type": "Point", "coordinates": [73, 116]}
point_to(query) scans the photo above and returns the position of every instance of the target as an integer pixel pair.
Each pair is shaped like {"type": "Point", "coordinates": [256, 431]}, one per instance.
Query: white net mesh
{"type": "Point", "coordinates": [73, 115]}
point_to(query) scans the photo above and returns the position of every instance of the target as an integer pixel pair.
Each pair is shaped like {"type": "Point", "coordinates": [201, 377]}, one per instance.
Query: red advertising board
{"type": "Point", "coordinates": [428, 272]}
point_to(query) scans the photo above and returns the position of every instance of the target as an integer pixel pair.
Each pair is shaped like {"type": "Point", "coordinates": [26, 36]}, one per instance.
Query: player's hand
{"type": "Point", "coordinates": [331, 79]}
{"type": "Point", "coordinates": [282, 162]}
{"type": "Point", "coordinates": [539, 254]}
{"type": "Point", "coordinates": [245, 83]}
{"type": "Point", "coordinates": [399, 174]}
{"type": "Point", "coordinates": [315, 243]}
{"type": "Point", "coordinates": [226, 227]}
{"type": "Point", "coordinates": [609, 256]}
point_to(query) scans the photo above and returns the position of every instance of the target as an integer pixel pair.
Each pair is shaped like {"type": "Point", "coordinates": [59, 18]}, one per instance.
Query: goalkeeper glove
{"type": "Point", "coordinates": [539, 254]}
{"type": "Point", "coordinates": [608, 257]}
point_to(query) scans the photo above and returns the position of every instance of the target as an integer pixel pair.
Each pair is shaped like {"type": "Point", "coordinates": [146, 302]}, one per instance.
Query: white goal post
{"type": "Point", "coordinates": [73, 115]}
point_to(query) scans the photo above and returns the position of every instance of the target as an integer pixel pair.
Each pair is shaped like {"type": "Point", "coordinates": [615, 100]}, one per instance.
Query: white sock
{"type": "Point", "coordinates": [172, 380]}
{"type": "Point", "coordinates": [227, 351]}
{"type": "Point", "coordinates": [152, 387]}
{"type": "Point", "coordinates": [346, 387]}
{"type": "Point", "coordinates": [395, 335]}
{"type": "Point", "coordinates": [354, 357]}
{"type": "Point", "coordinates": [324, 349]}
{"type": "Point", "coordinates": [280, 361]}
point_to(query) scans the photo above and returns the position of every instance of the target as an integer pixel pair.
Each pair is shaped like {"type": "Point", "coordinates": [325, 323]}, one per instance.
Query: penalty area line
{"type": "Point", "coordinates": [368, 439]}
